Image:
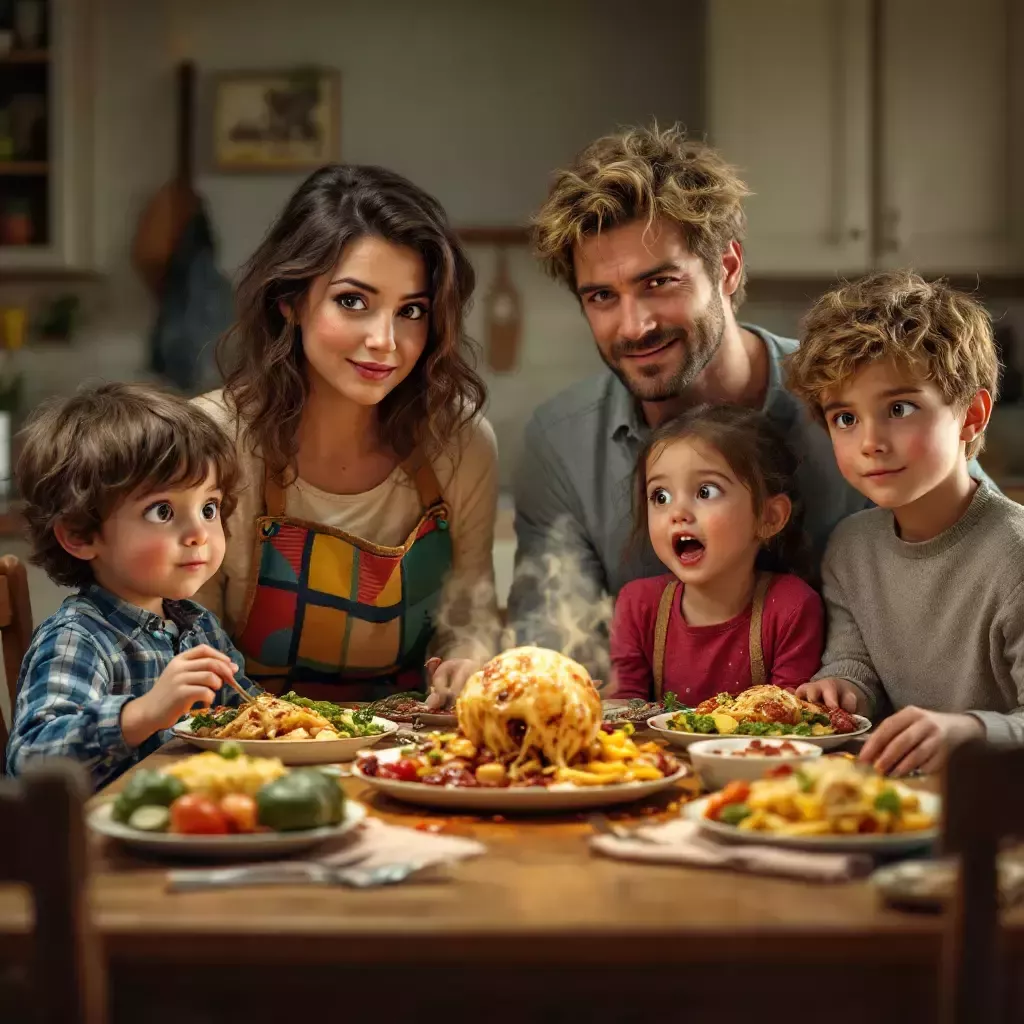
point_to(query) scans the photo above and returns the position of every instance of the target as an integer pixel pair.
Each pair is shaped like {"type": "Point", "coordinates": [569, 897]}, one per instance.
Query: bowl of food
{"type": "Point", "coordinates": [227, 804]}
{"type": "Point", "coordinates": [529, 738]}
{"type": "Point", "coordinates": [721, 761]}
{"type": "Point", "coordinates": [767, 712]}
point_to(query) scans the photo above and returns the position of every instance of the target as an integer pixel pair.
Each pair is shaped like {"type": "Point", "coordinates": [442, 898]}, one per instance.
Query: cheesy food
{"type": "Point", "coordinates": [530, 699]}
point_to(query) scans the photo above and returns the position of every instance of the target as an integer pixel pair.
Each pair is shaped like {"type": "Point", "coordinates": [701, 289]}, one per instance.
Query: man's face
{"type": "Point", "coordinates": [655, 313]}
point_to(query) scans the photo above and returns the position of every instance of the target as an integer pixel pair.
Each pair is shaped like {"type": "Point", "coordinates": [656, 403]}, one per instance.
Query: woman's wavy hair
{"type": "Point", "coordinates": [757, 452]}
{"type": "Point", "coordinates": [261, 356]}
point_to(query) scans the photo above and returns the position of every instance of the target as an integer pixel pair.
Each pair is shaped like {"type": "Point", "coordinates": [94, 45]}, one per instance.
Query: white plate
{"type": "Point", "coordinates": [293, 751]}
{"type": "Point", "coordinates": [231, 847]}
{"type": "Point", "coordinates": [712, 761]}
{"type": "Point", "coordinates": [560, 797]}
{"type": "Point", "coordinates": [659, 723]}
{"type": "Point", "coordinates": [889, 842]}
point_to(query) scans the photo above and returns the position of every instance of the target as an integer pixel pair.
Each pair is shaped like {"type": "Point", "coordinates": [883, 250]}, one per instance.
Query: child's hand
{"type": "Point", "coordinates": [447, 680]}
{"type": "Point", "coordinates": [192, 677]}
{"type": "Point", "coordinates": [833, 693]}
{"type": "Point", "coordinates": [917, 739]}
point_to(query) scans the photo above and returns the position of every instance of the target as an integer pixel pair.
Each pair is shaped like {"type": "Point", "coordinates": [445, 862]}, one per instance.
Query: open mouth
{"type": "Point", "coordinates": [688, 549]}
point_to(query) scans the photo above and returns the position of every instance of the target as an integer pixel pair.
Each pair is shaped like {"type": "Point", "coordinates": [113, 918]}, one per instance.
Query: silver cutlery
{"type": "Point", "coordinates": [599, 823]}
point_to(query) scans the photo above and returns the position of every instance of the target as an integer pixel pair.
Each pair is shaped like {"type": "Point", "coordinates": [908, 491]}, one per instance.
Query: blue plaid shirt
{"type": "Point", "coordinates": [86, 662]}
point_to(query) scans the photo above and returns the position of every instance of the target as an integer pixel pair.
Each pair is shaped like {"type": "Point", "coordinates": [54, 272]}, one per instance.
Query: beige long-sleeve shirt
{"type": "Point", "coordinates": [387, 514]}
{"type": "Point", "coordinates": [938, 624]}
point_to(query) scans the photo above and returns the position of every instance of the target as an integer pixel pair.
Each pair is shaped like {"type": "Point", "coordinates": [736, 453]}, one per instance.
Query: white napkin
{"type": "Point", "coordinates": [375, 844]}
{"type": "Point", "coordinates": [684, 842]}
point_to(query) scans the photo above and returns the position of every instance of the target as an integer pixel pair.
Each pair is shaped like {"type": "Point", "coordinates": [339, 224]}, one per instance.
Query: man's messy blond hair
{"type": "Point", "coordinates": [643, 173]}
{"type": "Point", "coordinates": [940, 334]}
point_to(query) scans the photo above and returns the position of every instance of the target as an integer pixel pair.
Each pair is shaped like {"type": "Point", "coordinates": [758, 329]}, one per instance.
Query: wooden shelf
{"type": "Point", "coordinates": [44, 275]}
{"type": "Point", "coordinates": [25, 57]}
{"type": "Point", "coordinates": [24, 168]}
{"type": "Point", "coordinates": [498, 235]}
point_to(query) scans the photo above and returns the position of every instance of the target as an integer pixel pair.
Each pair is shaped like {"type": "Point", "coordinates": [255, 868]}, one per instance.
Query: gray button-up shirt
{"type": "Point", "coordinates": [573, 499]}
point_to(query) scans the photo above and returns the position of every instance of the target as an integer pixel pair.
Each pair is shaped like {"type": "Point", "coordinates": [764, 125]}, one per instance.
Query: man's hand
{"type": "Point", "coordinates": [193, 677]}
{"type": "Point", "coordinates": [833, 693]}
{"type": "Point", "coordinates": [447, 678]}
{"type": "Point", "coordinates": [915, 739]}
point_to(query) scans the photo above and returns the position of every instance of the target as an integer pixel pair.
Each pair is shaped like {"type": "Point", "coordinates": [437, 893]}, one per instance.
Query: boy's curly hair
{"type": "Point", "coordinates": [86, 454]}
{"type": "Point", "coordinates": [940, 333]}
{"type": "Point", "coordinates": [643, 173]}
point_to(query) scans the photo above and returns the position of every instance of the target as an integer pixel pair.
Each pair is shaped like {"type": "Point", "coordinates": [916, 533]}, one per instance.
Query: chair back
{"type": "Point", "coordinates": [984, 805]}
{"type": "Point", "coordinates": [44, 809]}
{"type": "Point", "coordinates": [15, 634]}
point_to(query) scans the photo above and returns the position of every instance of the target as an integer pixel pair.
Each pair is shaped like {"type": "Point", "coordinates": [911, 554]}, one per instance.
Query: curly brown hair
{"type": "Point", "coordinates": [757, 452]}
{"type": "Point", "coordinates": [261, 357]}
{"type": "Point", "coordinates": [84, 455]}
{"type": "Point", "coordinates": [644, 173]}
{"type": "Point", "coordinates": [940, 333]}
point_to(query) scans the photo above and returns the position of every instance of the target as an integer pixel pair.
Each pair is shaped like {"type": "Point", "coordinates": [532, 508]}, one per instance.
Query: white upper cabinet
{"type": "Point", "coordinates": [787, 104]}
{"type": "Point", "coordinates": [876, 133]}
{"type": "Point", "coordinates": [951, 121]}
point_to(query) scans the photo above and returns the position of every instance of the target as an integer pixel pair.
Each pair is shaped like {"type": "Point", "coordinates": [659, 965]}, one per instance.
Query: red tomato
{"type": "Point", "coordinates": [240, 810]}
{"type": "Point", "coordinates": [194, 814]}
{"type": "Point", "coordinates": [404, 770]}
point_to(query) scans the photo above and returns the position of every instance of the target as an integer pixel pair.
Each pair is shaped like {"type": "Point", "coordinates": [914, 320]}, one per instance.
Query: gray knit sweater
{"type": "Point", "coordinates": [939, 624]}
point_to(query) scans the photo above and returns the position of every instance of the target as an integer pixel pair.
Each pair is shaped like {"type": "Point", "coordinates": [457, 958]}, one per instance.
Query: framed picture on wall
{"type": "Point", "coordinates": [276, 121]}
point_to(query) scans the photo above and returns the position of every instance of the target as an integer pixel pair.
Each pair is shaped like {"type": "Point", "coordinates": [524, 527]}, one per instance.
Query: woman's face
{"type": "Point", "coordinates": [365, 324]}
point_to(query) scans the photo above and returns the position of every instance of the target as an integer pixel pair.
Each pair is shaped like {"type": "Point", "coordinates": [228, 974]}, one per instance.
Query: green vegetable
{"type": "Point", "coordinates": [814, 718]}
{"type": "Point", "coordinates": [435, 756]}
{"type": "Point", "coordinates": [150, 819]}
{"type": "Point", "coordinates": [753, 728]}
{"type": "Point", "coordinates": [803, 729]}
{"type": "Point", "coordinates": [305, 798]}
{"type": "Point", "coordinates": [701, 723]}
{"type": "Point", "coordinates": [146, 789]}
{"type": "Point", "coordinates": [804, 781]}
{"type": "Point", "coordinates": [888, 800]}
{"type": "Point", "coordinates": [230, 750]}
{"type": "Point", "coordinates": [207, 721]}
{"type": "Point", "coordinates": [670, 702]}
{"type": "Point", "coordinates": [723, 699]}
{"type": "Point", "coordinates": [733, 814]}
{"type": "Point", "coordinates": [344, 721]}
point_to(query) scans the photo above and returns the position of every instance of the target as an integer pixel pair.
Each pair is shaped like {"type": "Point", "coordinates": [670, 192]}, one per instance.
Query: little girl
{"type": "Point", "coordinates": [713, 489]}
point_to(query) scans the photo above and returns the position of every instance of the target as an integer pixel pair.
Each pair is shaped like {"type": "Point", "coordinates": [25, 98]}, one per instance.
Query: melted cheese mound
{"type": "Point", "coordinates": [530, 699]}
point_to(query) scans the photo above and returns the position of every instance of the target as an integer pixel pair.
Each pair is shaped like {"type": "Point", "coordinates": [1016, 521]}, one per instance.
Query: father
{"type": "Point", "coordinates": [646, 230]}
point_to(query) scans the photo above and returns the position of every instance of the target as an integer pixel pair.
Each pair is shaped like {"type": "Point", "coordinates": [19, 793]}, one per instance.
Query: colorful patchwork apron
{"type": "Point", "coordinates": [336, 617]}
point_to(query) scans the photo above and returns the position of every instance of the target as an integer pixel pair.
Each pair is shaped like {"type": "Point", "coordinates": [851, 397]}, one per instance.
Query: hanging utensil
{"type": "Point", "coordinates": [504, 319]}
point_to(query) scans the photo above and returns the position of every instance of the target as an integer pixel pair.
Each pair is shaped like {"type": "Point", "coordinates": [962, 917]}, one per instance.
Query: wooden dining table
{"type": "Point", "coordinates": [538, 928]}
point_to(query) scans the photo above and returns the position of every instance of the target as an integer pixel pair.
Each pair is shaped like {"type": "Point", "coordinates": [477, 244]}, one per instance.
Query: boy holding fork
{"type": "Point", "coordinates": [126, 490]}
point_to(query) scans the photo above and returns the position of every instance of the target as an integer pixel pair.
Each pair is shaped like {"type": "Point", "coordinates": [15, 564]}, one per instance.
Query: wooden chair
{"type": "Point", "coordinates": [15, 633]}
{"type": "Point", "coordinates": [984, 804]}
{"type": "Point", "coordinates": [44, 810]}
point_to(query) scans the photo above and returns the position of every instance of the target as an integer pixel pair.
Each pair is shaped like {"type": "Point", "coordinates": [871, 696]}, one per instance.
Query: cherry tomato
{"type": "Point", "coordinates": [404, 770]}
{"type": "Point", "coordinates": [194, 814]}
{"type": "Point", "coordinates": [240, 810]}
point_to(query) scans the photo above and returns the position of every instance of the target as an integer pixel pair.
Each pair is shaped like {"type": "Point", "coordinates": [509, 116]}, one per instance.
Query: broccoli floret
{"type": "Point", "coordinates": [888, 800]}
{"type": "Point", "coordinates": [753, 728]}
{"type": "Point", "coordinates": [733, 814]}
{"type": "Point", "coordinates": [702, 723]}
{"type": "Point", "coordinates": [723, 699]}
{"type": "Point", "coordinates": [803, 729]}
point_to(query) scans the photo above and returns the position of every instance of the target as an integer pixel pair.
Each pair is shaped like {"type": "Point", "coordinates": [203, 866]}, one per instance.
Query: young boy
{"type": "Point", "coordinates": [126, 490]}
{"type": "Point", "coordinates": [925, 593]}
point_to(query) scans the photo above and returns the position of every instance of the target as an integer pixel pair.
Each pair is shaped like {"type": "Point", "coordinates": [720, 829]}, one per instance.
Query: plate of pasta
{"type": "Point", "coordinates": [292, 728]}
{"type": "Point", "coordinates": [530, 738]}
{"type": "Point", "coordinates": [763, 711]}
{"type": "Point", "coordinates": [831, 803]}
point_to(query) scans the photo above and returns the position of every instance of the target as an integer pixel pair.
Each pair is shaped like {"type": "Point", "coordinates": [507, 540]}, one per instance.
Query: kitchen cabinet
{"type": "Point", "coordinates": [874, 133]}
{"type": "Point", "coordinates": [45, 167]}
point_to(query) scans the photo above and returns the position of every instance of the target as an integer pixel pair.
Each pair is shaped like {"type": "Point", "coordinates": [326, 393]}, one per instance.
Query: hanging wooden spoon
{"type": "Point", "coordinates": [504, 319]}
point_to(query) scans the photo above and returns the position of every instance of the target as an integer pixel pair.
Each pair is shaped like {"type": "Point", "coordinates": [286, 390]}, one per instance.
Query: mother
{"type": "Point", "coordinates": [369, 476]}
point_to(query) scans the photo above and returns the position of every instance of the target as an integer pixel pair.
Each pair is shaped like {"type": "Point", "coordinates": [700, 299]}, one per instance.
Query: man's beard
{"type": "Point", "coordinates": [695, 349]}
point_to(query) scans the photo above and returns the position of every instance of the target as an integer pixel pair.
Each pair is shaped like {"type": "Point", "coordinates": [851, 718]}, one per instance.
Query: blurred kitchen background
{"type": "Point", "coordinates": [875, 133]}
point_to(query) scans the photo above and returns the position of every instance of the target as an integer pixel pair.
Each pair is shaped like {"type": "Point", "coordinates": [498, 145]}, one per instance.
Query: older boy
{"type": "Point", "coordinates": [126, 489]}
{"type": "Point", "coordinates": [925, 593]}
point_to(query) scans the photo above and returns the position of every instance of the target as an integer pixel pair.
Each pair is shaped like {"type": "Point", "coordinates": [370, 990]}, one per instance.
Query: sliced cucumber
{"type": "Point", "coordinates": [150, 819]}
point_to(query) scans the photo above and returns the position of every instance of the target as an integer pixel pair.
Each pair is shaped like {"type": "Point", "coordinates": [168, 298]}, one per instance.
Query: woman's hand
{"type": "Point", "coordinates": [447, 678]}
{"type": "Point", "coordinates": [833, 693]}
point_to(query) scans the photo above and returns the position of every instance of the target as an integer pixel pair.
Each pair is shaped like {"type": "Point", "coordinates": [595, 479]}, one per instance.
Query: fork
{"type": "Point", "coordinates": [295, 873]}
{"type": "Point", "coordinates": [602, 825]}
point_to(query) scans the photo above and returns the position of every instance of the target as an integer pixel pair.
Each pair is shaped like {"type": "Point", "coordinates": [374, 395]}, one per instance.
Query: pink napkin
{"type": "Point", "coordinates": [685, 842]}
{"type": "Point", "coordinates": [376, 843]}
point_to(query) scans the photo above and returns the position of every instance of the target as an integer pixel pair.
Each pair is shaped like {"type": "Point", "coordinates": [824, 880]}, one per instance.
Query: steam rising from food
{"type": "Point", "coordinates": [570, 615]}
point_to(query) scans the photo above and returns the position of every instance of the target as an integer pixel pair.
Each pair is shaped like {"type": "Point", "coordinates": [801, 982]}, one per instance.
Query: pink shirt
{"type": "Point", "coordinates": [701, 661]}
